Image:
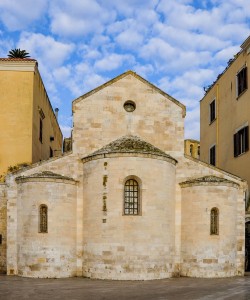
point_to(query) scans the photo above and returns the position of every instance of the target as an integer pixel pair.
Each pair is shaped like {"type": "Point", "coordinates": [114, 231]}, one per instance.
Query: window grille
{"type": "Point", "coordinates": [214, 221]}
{"type": "Point", "coordinates": [131, 197]}
{"type": "Point", "coordinates": [43, 226]}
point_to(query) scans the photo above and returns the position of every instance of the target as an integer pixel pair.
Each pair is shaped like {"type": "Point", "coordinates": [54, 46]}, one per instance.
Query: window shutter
{"type": "Point", "coordinates": [236, 146]}
{"type": "Point", "coordinates": [246, 138]}
{"type": "Point", "coordinates": [245, 78]}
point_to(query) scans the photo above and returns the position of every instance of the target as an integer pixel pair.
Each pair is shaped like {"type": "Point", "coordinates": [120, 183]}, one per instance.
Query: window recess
{"type": "Point", "coordinates": [241, 141]}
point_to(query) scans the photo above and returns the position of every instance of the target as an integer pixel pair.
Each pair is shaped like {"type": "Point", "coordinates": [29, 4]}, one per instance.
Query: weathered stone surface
{"type": "Point", "coordinates": [210, 179]}
{"type": "Point", "coordinates": [88, 233]}
{"type": "Point", "coordinates": [132, 145]}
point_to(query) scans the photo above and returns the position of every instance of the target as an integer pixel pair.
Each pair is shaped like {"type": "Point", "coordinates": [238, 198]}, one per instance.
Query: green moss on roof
{"type": "Point", "coordinates": [45, 174]}
{"type": "Point", "coordinates": [131, 144]}
{"type": "Point", "coordinates": [209, 178]}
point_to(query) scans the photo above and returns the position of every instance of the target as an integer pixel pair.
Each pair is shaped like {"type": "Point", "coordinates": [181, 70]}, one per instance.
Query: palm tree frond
{"type": "Point", "coordinates": [17, 53]}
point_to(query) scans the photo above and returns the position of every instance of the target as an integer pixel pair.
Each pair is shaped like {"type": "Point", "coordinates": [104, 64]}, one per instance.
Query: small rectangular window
{"type": "Point", "coordinates": [212, 156]}
{"type": "Point", "coordinates": [241, 141]}
{"type": "Point", "coordinates": [242, 81]}
{"type": "Point", "coordinates": [50, 152]}
{"type": "Point", "coordinates": [212, 111]}
{"type": "Point", "coordinates": [41, 131]}
{"type": "Point", "coordinates": [1, 239]}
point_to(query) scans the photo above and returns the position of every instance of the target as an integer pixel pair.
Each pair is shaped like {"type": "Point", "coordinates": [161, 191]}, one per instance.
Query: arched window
{"type": "Point", "coordinates": [43, 218]}
{"type": "Point", "coordinates": [214, 221]}
{"type": "Point", "coordinates": [131, 197]}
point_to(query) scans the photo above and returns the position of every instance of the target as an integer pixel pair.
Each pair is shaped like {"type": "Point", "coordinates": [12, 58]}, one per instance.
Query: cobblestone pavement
{"type": "Point", "coordinates": [12, 287]}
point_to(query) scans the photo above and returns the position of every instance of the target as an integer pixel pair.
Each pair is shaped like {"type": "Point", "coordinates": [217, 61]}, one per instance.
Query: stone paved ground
{"type": "Point", "coordinates": [12, 287]}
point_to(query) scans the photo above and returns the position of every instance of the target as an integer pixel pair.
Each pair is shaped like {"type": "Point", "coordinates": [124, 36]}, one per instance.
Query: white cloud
{"type": "Point", "coordinates": [144, 70]}
{"type": "Point", "coordinates": [192, 124]}
{"type": "Point", "coordinates": [78, 17]}
{"type": "Point", "coordinates": [129, 39]}
{"type": "Point", "coordinates": [158, 49]}
{"type": "Point", "coordinates": [226, 53]}
{"type": "Point", "coordinates": [130, 7]}
{"type": "Point", "coordinates": [51, 52]}
{"type": "Point", "coordinates": [66, 130]}
{"type": "Point", "coordinates": [181, 44]}
{"type": "Point", "coordinates": [18, 14]}
{"type": "Point", "coordinates": [5, 46]}
{"type": "Point", "coordinates": [188, 40]}
{"type": "Point", "coordinates": [112, 62]}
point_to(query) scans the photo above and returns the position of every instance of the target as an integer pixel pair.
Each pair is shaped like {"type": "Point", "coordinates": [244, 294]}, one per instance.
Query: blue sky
{"type": "Point", "coordinates": [178, 45]}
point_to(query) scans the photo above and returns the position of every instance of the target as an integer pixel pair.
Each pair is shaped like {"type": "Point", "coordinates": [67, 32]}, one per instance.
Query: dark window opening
{"type": "Point", "coordinates": [242, 81]}
{"type": "Point", "coordinates": [212, 156]}
{"type": "Point", "coordinates": [50, 152]}
{"type": "Point", "coordinates": [1, 239]}
{"type": "Point", "coordinates": [131, 197]}
{"type": "Point", "coordinates": [41, 131]}
{"type": "Point", "coordinates": [241, 144]}
{"type": "Point", "coordinates": [191, 149]}
{"type": "Point", "coordinates": [212, 111]}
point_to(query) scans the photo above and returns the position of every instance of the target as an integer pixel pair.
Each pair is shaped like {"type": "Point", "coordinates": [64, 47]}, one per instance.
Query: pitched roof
{"type": "Point", "coordinates": [139, 78]}
{"type": "Point", "coordinates": [131, 144]}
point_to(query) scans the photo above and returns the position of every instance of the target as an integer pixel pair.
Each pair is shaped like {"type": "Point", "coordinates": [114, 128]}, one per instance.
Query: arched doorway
{"type": "Point", "coordinates": [247, 246]}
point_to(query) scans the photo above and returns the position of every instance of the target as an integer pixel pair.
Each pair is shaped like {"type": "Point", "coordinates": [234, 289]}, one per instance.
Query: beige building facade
{"type": "Point", "coordinates": [30, 131]}
{"type": "Point", "coordinates": [224, 123]}
{"type": "Point", "coordinates": [126, 203]}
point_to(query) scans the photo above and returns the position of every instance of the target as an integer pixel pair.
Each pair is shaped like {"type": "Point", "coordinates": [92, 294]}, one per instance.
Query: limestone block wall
{"type": "Point", "coordinates": [100, 117]}
{"type": "Point", "coordinates": [189, 168]}
{"type": "Point", "coordinates": [125, 247]}
{"type": "Point", "coordinates": [3, 228]}
{"type": "Point", "coordinates": [51, 254]}
{"type": "Point", "coordinates": [203, 254]}
{"type": "Point", "coordinates": [68, 165]}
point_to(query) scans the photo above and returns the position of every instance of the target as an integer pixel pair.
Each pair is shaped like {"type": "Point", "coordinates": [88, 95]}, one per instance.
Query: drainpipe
{"type": "Point", "coordinates": [217, 125]}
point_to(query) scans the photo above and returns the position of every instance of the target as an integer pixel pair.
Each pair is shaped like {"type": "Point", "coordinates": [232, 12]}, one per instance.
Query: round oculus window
{"type": "Point", "coordinates": [129, 106]}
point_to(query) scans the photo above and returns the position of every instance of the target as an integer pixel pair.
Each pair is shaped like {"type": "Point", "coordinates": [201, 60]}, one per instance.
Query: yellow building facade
{"type": "Point", "coordinates": [192, 148]}
{"type": "Point", "coordinates": [29, 128]}
{"type": "Point", "coordinates": [224, 118]}
{"type": "Point", "coordinates": [224, 124]}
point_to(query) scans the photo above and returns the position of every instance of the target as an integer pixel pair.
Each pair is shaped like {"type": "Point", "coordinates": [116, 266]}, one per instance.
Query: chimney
{"type": "Point", "coordinates": [56, 112]}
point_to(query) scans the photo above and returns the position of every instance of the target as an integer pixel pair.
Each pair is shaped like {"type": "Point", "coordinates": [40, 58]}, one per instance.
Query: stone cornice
{"type": "Point", "coordinates": [209, 180]}
{"type": "Point", "coordinates": [130, 146]}
{"type": "Point", "coordinates": [46, 176]}
{"type": "Point", "coordinates": [18, 65]}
